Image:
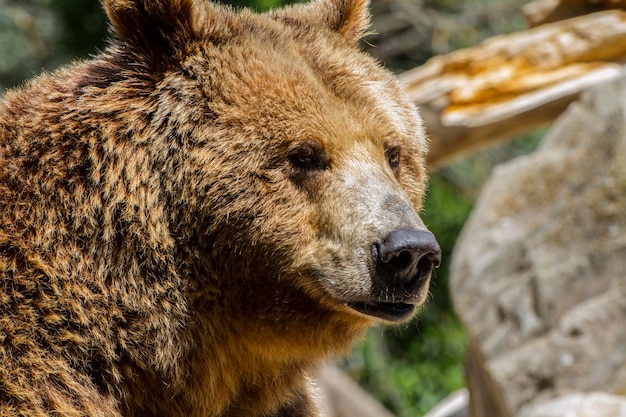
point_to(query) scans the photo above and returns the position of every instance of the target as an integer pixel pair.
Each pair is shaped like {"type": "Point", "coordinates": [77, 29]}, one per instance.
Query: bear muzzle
{"type": "Point", "coordinates": [403, 261]}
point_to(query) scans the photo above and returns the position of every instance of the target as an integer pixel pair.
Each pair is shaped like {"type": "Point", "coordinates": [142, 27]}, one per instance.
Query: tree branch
{"type": "Point", "coordinates": [511, 84]}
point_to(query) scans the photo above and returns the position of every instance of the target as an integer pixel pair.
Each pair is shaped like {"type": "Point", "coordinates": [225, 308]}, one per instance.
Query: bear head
{"type": "Point", "coordinates": [295, 165]}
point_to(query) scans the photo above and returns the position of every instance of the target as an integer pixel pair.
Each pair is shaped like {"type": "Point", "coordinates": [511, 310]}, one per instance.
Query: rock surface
{"type": "Point", "coordinates": [539, 272]}
{"type": "Point", "coordinates": [581, 405]}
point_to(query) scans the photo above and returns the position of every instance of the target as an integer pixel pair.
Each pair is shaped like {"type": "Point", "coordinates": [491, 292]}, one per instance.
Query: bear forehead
{"type": "Point", "coordinates": [308, 79]}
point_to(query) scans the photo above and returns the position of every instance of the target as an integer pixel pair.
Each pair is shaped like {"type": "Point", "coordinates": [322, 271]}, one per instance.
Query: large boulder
{"type": "Point", "coordinates": [539, 272]}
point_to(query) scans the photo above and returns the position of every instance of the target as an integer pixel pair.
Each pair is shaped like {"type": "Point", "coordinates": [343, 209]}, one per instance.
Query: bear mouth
{"type": "Point", "coordinates": [393, 312]}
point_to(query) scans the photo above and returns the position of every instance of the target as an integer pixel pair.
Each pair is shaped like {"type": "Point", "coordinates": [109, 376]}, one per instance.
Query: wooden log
{"type": "Point", "coordinates": [454, 405]}
{"type": "Point", "coordinates": [540, 12]}
{"type": "Point", "coordinates": [511, 84]}
{"type": "Point", "coordinates": [345, 398]}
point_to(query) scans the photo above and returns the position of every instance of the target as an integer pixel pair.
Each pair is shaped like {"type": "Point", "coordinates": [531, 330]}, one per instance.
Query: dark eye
{"type": "Point", "coordinates": [393, 158]}
{"type": "Point", "coordinates": [308, 156]}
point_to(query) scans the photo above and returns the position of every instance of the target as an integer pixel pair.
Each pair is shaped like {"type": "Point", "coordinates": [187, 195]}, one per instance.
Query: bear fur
{"type": "Point", "coordinates": [187, 219]}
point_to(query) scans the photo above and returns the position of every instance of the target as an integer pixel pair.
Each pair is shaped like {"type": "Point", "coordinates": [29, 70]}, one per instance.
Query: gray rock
{"type": "Point", "coordinates": [539, 272]}
{"type": "Point", "coordinates": [580, 405]}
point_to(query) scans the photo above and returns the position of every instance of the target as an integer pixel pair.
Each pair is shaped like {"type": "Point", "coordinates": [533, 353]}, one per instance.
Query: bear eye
{"type": "Point", "coordinates": [393, 158]}
{"type": "Point", "coordinates": [308, 156]}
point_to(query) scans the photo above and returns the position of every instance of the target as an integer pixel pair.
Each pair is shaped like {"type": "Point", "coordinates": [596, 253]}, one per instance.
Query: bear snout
{"type": "Point", "coordinates": [405, 255]}
{"type": "Point", "coordinates": [403, 262]}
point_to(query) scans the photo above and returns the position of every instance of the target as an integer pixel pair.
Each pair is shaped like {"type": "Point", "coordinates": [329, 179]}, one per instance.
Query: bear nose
{"type": "Point", "coordinates": [406, 256]}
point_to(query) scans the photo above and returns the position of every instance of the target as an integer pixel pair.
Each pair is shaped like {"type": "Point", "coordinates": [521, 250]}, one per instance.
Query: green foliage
{"type": "Point", "coordinates": [260, 5]}
{"type": "Point", "coordinates": [38, 35]}
{"type": "Point", "coordinates": [431, 368]}
{"type": "Point", "coordinates": [83, 23]}
{"type": "Point", "coordinates": [412, 369]}
{"type": "Point", "coordinates": [445, 212]}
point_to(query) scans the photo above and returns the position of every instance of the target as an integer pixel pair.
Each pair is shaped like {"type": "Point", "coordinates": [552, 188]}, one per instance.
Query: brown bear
{"type": "Point", "coordinates": [197, 216]}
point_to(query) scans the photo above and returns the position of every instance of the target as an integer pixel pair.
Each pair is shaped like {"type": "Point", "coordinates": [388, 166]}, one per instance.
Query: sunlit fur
{"type": "Point", "coordinates": [160, 254]}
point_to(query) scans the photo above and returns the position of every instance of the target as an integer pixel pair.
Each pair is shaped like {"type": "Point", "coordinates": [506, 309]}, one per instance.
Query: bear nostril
{"type": "Point", "coordinates": [427, 262]}
{"type": "Point", "coordinates": [401, 260]}
{"type": "Point", "coordinates": [406, 254]}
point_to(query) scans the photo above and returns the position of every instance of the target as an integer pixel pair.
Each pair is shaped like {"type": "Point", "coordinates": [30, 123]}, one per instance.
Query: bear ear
{"type": "Point", "coordinates": [350, 18]}
{"type": "Point", "coordinates": [156, 27]}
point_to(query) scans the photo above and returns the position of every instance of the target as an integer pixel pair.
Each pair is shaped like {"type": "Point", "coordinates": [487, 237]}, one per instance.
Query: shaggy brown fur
{"type": "Point", "coordinates": [186, 221]}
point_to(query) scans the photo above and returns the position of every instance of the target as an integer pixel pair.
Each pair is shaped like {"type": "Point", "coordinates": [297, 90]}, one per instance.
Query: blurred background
{"type": "Point", "coordinates": [408, 368]}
